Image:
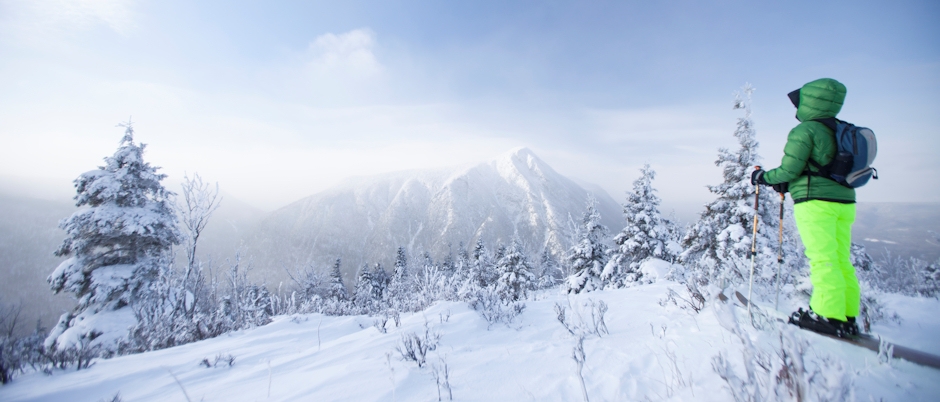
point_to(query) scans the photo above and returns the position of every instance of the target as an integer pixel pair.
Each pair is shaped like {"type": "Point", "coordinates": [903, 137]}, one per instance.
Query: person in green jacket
{"type": "Point", "coordinates": [823, 209]}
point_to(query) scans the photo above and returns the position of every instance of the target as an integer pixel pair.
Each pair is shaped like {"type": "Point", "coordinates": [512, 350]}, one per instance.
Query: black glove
{"type": "Point", "coordinates": [781, 188]}
{"type": "Point", "coordinates": [758, 177]}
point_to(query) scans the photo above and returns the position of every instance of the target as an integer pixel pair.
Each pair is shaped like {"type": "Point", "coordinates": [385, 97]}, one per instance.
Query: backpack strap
{"type": "Point", "coordinates": [821, 171]}
{"type": "Point", "coordinates": [830, 122]}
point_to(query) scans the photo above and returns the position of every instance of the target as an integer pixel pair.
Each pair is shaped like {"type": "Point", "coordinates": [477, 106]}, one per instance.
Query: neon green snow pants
{"type": "Point", "coordinates": [826, 230]}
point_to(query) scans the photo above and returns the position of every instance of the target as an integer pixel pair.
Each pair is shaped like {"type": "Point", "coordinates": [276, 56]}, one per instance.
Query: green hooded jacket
{"type": "Point", "coordinates": [812, 140]}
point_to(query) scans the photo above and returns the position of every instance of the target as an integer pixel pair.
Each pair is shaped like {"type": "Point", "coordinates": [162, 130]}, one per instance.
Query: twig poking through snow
{"type": "Point", "coordinates": [391, 370]}
{"type": "Point", "coordinates": [179, 383]}
{"type": "Point", "coordinates": [441, 375]}
{"type": "Point", "coordinates": [269, 379]}
{"type": "Point", "coordinates": [579, 358]}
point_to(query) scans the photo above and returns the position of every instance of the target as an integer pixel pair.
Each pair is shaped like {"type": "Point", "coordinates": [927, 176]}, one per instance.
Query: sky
{"type": "Point", "coordinates": [277, 101]}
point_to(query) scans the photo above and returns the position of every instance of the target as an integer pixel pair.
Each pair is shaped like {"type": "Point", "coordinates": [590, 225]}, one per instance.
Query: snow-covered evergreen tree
{"type": "Point", "coordinates": [716, 248]}
{"type": "Point", "coordinates": [115, 245]}
{"type": "Point", "coordinates": [550, 274]}
{"type": "Point", "coordinates": [478, 275]}
{"type": "Point", "coordinates": [400, 274]}
{"type": "Point", "coordinates": [380, 282]}
{"type": "Point", "coordinates": [362, 294]}
{"type": "Point", "coordinates": [337, 289]}
{"type": "Point", "coordinates": [588, 257]}
{"type": "Point", "coordinates": [514, 275]}
{"type": "Point", "coordinates": [461, 272]}
{"type": "Point", "coordinates": [399, 289]}
{"type": "Point", "coordinates": [647, 234]}
{"type": "Point", "coordinates": [246, 304]}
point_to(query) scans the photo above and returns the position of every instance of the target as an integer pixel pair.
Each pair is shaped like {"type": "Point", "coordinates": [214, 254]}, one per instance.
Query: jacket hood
{"type": "Point", "coordinates": [820, 99]}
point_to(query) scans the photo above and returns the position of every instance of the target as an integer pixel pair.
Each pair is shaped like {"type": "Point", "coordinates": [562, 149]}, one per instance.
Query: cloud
{"type": "Point", "coordinates": [348, 55]}
{"type": "Point", "coordinates": [334, 69]}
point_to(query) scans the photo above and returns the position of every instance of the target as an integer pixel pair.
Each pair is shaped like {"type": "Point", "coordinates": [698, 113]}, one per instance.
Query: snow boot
{"type": "Point", "coordinates": [807, 319]}
{"type": "Point", "coordinates": [851, 327]}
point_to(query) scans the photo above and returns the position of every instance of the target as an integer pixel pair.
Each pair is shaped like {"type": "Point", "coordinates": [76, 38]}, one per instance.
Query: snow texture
{"type": "Point", "coordinates": [652, 351]}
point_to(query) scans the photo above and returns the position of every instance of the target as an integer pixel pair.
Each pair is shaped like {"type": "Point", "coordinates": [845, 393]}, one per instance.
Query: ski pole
{"type": "Point", "coordinates": [780, 253]}
{"type": "Point", "coordinates": [753, 248]}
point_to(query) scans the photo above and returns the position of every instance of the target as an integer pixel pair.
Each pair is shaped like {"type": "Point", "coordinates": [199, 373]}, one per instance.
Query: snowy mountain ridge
{"type": "Point", "coordinates": [365, 219]}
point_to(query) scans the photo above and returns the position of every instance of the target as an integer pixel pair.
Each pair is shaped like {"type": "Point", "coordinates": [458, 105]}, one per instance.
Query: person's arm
{"type": "Point", "coordinates": [796, 153]}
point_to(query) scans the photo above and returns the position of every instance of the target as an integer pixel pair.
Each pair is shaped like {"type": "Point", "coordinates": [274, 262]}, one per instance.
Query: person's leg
{"type": "Point", "coordinates": [844, 239]}
{"type": "Point", "coordinates": [817, 221]}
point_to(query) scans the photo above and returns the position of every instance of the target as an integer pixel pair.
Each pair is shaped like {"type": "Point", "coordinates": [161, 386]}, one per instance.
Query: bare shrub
{"type": "Point", "coordinates": [493, 308]}
{"type": "Point", "coordinates": [784, 373]}
{"type": "Point", "coordinates": [587, 319]}
{"type": "Point", "coordinates": [220, 360]}
{"type": "Point", "coordinates": [414, 347]}
{"type": "Point", "coordinates": [693, 300]}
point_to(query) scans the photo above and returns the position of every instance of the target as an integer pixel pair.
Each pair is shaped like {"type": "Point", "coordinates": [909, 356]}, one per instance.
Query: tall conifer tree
{"type": "Point", "coordinates": [115, 245]}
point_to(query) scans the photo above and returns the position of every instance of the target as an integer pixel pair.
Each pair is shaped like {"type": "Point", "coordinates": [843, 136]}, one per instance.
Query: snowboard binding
{"type": "Point", "coordinates": [807, 319]}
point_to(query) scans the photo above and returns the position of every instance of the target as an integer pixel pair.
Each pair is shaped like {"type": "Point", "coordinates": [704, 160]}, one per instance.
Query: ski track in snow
{"type": "Point", "coordinates": [652, 352]}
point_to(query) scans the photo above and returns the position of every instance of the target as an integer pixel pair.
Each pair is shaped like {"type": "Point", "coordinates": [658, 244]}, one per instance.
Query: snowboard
{"type": "Point", "coordinates": [868, 341]}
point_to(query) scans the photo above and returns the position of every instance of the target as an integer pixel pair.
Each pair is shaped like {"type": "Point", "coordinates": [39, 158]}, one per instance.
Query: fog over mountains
{"type": "Point", "coordinates": [365, 219]}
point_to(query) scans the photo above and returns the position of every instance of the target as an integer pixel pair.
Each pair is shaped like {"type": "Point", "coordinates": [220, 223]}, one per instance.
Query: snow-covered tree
{"type": "Point", "coordinates": [514, 275]}
{"type": "Point", "coordinates": [461, 271]}
{"type": "Point", "coordinates": [550, 274]}
{"type": "Point", "coordinates": [337, 289]}
{"type": "Point", "coordinates": [362, 294]}
{"type": "Point", "coordinates": [429, 283]}
{"type": "Point", "coordinates": [647, 234]}
{"type": "Point", "coordinates": [181, 306]}
{"type": "Point", "coordinates": [400, 276]}
{"type": "Point", "coordinates": [380, 281]}
{"type": "Point", "coordinates": [115, 245]}
{"type": "Point", "coordinates": [478, 268]}
{"type": "Point", "coordinates": [399, 288]}
{"type": "Point", "coordinates": [588, 257]}
{"type": "Point", "coordinates": [308, 283]}
{"type": "Point", "coordinates": [200, 200]}
{"type": "Point", "coordinates": [892, 273]}
{"type": "Point", "coordinates": [246, 304]}
{"type": "Point", "coordinates": [717, 247]}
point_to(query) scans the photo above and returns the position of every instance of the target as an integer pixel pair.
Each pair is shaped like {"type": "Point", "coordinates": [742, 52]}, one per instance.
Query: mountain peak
{"type": "Point", "coordinates": [363, 222]}
{"type": "Point", "coordinates": [519, 154]}
{"type": "Point", "coordinates": [521, 164]}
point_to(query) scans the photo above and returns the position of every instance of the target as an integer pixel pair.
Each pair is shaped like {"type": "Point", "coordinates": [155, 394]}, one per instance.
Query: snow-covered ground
{"type": "Point", "coordinates": [652, 352]}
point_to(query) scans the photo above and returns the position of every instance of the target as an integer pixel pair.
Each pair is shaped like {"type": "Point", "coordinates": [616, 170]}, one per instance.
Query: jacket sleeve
{"type": "Point", "coordinates": [796, 153]}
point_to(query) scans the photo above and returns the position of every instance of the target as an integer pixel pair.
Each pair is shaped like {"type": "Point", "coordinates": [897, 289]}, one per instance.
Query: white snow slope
{"type": "Point", "coordinates": [654, 351]}
{"type": "Point", "coordinates": [365, 219]}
